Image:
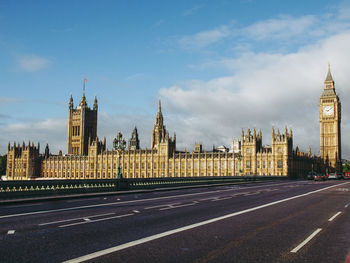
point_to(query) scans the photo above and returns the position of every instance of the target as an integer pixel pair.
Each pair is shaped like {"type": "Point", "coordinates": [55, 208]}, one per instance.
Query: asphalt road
{"type": "Point", "coordinates": [289, 221]}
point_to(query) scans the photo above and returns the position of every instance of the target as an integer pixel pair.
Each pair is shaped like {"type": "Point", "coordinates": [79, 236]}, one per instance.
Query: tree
{"type": "Point", "coordinates": [3, 160]}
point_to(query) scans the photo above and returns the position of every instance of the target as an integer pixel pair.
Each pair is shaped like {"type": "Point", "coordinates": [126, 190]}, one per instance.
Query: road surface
{"type": "Point", "coordinates": [281, 221]}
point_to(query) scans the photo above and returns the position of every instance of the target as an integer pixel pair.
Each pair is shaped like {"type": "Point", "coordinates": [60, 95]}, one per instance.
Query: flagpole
{"type": "Point", "coordinates": [84, 87]}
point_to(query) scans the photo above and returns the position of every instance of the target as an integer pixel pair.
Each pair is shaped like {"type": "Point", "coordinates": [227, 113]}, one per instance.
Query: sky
{"type": "Point", "coordinates": [217, 66]}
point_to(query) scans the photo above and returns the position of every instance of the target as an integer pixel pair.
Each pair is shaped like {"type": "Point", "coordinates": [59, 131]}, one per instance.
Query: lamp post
{"type": "Point", "coordinates": [239, 157]}
{"type": "Point", "coordinates": [119, 144]}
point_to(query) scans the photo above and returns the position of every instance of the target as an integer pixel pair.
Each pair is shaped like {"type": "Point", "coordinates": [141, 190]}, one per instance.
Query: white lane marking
{"type": "Point", "coordinates": [173, 207]}
{"type": "Point", "coordinates": [11, 232]}
{"type": "Point", "coordinates": [331, 219]}
{"type": "Point", "coordinates": [346, 206]}
{"type": "Point", "coordinates": [181, 229]}
{"type": "Point", "coordinates": [158, 206]}
{"type": "Point", "coordinates": [87, 219]}
{"type": "Point", "coordinates": [221, 198]}
{"type": "Point", "coordinates": [73, 219]}
{"type": "Point", "coordinates": [136, 211]}
{"type": "Point", "coordinates": [97, 220]}
{"type": "Point", "coordinates": [296, 249]}
{"type": "Point", "coordinates": [252, 193]}
{"type": "Point", "coordinates": [125, 202]}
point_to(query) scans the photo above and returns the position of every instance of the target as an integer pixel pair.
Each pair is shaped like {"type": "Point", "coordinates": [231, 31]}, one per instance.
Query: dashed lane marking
{"type": "Point", "coordinates": [332, 218]}
{"type": "Point", "coordinates": [159, 206]}
{"type": "Point", "coordinates": [74, 219]}
{"type": "Point", "coordinates": [297, 248]}
{"type": "Point", "coordinates": [11, 232]}
{"type": "Point", "coordinates": [96, 220]}
{"type": "Point", "coordinates": [178, 206]}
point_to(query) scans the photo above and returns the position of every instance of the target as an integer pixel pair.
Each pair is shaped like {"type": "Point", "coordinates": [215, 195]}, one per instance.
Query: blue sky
{"type": "Point", "coordinates": [218, 66]}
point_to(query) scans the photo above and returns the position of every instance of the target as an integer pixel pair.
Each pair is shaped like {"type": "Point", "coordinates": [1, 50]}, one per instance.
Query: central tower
{"type": "Point", "coordinates": [82, 126]}
{"type": "Point", "coordinates": [330, 120]}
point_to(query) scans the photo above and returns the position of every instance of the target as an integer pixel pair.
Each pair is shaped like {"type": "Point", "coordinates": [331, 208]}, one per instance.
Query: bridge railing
{"type": "Point", "coordinates": [31, 188]}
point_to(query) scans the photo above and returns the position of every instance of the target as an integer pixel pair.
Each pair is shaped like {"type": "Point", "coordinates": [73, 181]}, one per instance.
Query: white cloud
{"type": "Point", "coordinates": [281, 27]}
{"type": "Point", "coordinates": [51, 131]}
{"type": "Point", "coordinates": [264, 90]}
{"type": "Point", "coordinates": [32, 63]}
{"type": "Point", "coordinates": [192, 10]}
{"type": "Point", "coordinates": [204, 38]}
{"type": "Point", "coordinates": [54, 131]}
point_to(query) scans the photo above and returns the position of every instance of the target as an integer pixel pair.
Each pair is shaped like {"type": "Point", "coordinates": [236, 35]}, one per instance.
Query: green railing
{"type": "Point", "coordinates": [23, 189]}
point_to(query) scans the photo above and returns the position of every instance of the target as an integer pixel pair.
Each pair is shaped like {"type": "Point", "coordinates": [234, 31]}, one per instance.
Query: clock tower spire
{"type": "Point", "coordinates": [330, 129]}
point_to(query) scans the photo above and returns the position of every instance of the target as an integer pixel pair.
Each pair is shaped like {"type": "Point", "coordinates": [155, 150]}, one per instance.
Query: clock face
{"type": "Point", "coordinates": [328, 86]}
{"type": "Point", "coordinates": [328, 110]}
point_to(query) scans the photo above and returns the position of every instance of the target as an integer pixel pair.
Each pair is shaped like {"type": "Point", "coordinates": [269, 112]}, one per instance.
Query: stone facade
{"type": "Point", "coordinates": [82, 126]}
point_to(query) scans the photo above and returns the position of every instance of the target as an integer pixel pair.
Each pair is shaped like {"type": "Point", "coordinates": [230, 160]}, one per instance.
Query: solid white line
{"type": "Point", "coordinates": [295, 250]}
{"type": "Point", "coordinates": [331, 219]}
{"type": "Point", "coordinates": [72, 219]}
{"type": "Point", "coordinates": [181, 229]}
{"type": "Point", "coordinates": [97, 220]}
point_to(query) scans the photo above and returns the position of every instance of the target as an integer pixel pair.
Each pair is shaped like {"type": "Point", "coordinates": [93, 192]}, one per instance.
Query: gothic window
{"type": "Point", "coordinates": [248, 164]}
{"type": "Point", "coordinates": [258, 164]}
{"type": "Point", "coordinates": [279, 164]}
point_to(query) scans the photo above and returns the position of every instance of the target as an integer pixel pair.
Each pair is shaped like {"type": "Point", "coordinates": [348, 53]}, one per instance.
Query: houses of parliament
{"type": "Point", "coordinates": [88, 157]}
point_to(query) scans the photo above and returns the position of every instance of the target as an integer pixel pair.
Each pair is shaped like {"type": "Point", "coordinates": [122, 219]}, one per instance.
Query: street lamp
{"type": "Point", "coordinates": [119, 144]}
{"type": "Point", "coordinates": [239, 157]}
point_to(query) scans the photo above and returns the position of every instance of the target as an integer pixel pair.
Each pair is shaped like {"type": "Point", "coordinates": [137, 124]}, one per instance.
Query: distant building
{"type": "Point", "coordinates": [88, 157]}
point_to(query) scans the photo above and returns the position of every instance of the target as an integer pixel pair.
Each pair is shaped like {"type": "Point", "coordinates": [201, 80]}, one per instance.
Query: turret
{"type": "Point", "coordinates": [47, 151]}
{"type": "Point", "coordinates": [95, 106]}
{"type": "Point", "coordinates": [71, 104]}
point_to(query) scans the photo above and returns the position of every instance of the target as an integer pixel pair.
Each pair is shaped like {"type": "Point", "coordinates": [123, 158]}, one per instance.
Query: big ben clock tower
{"type": "Point", "coordinates": [330, 119]}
